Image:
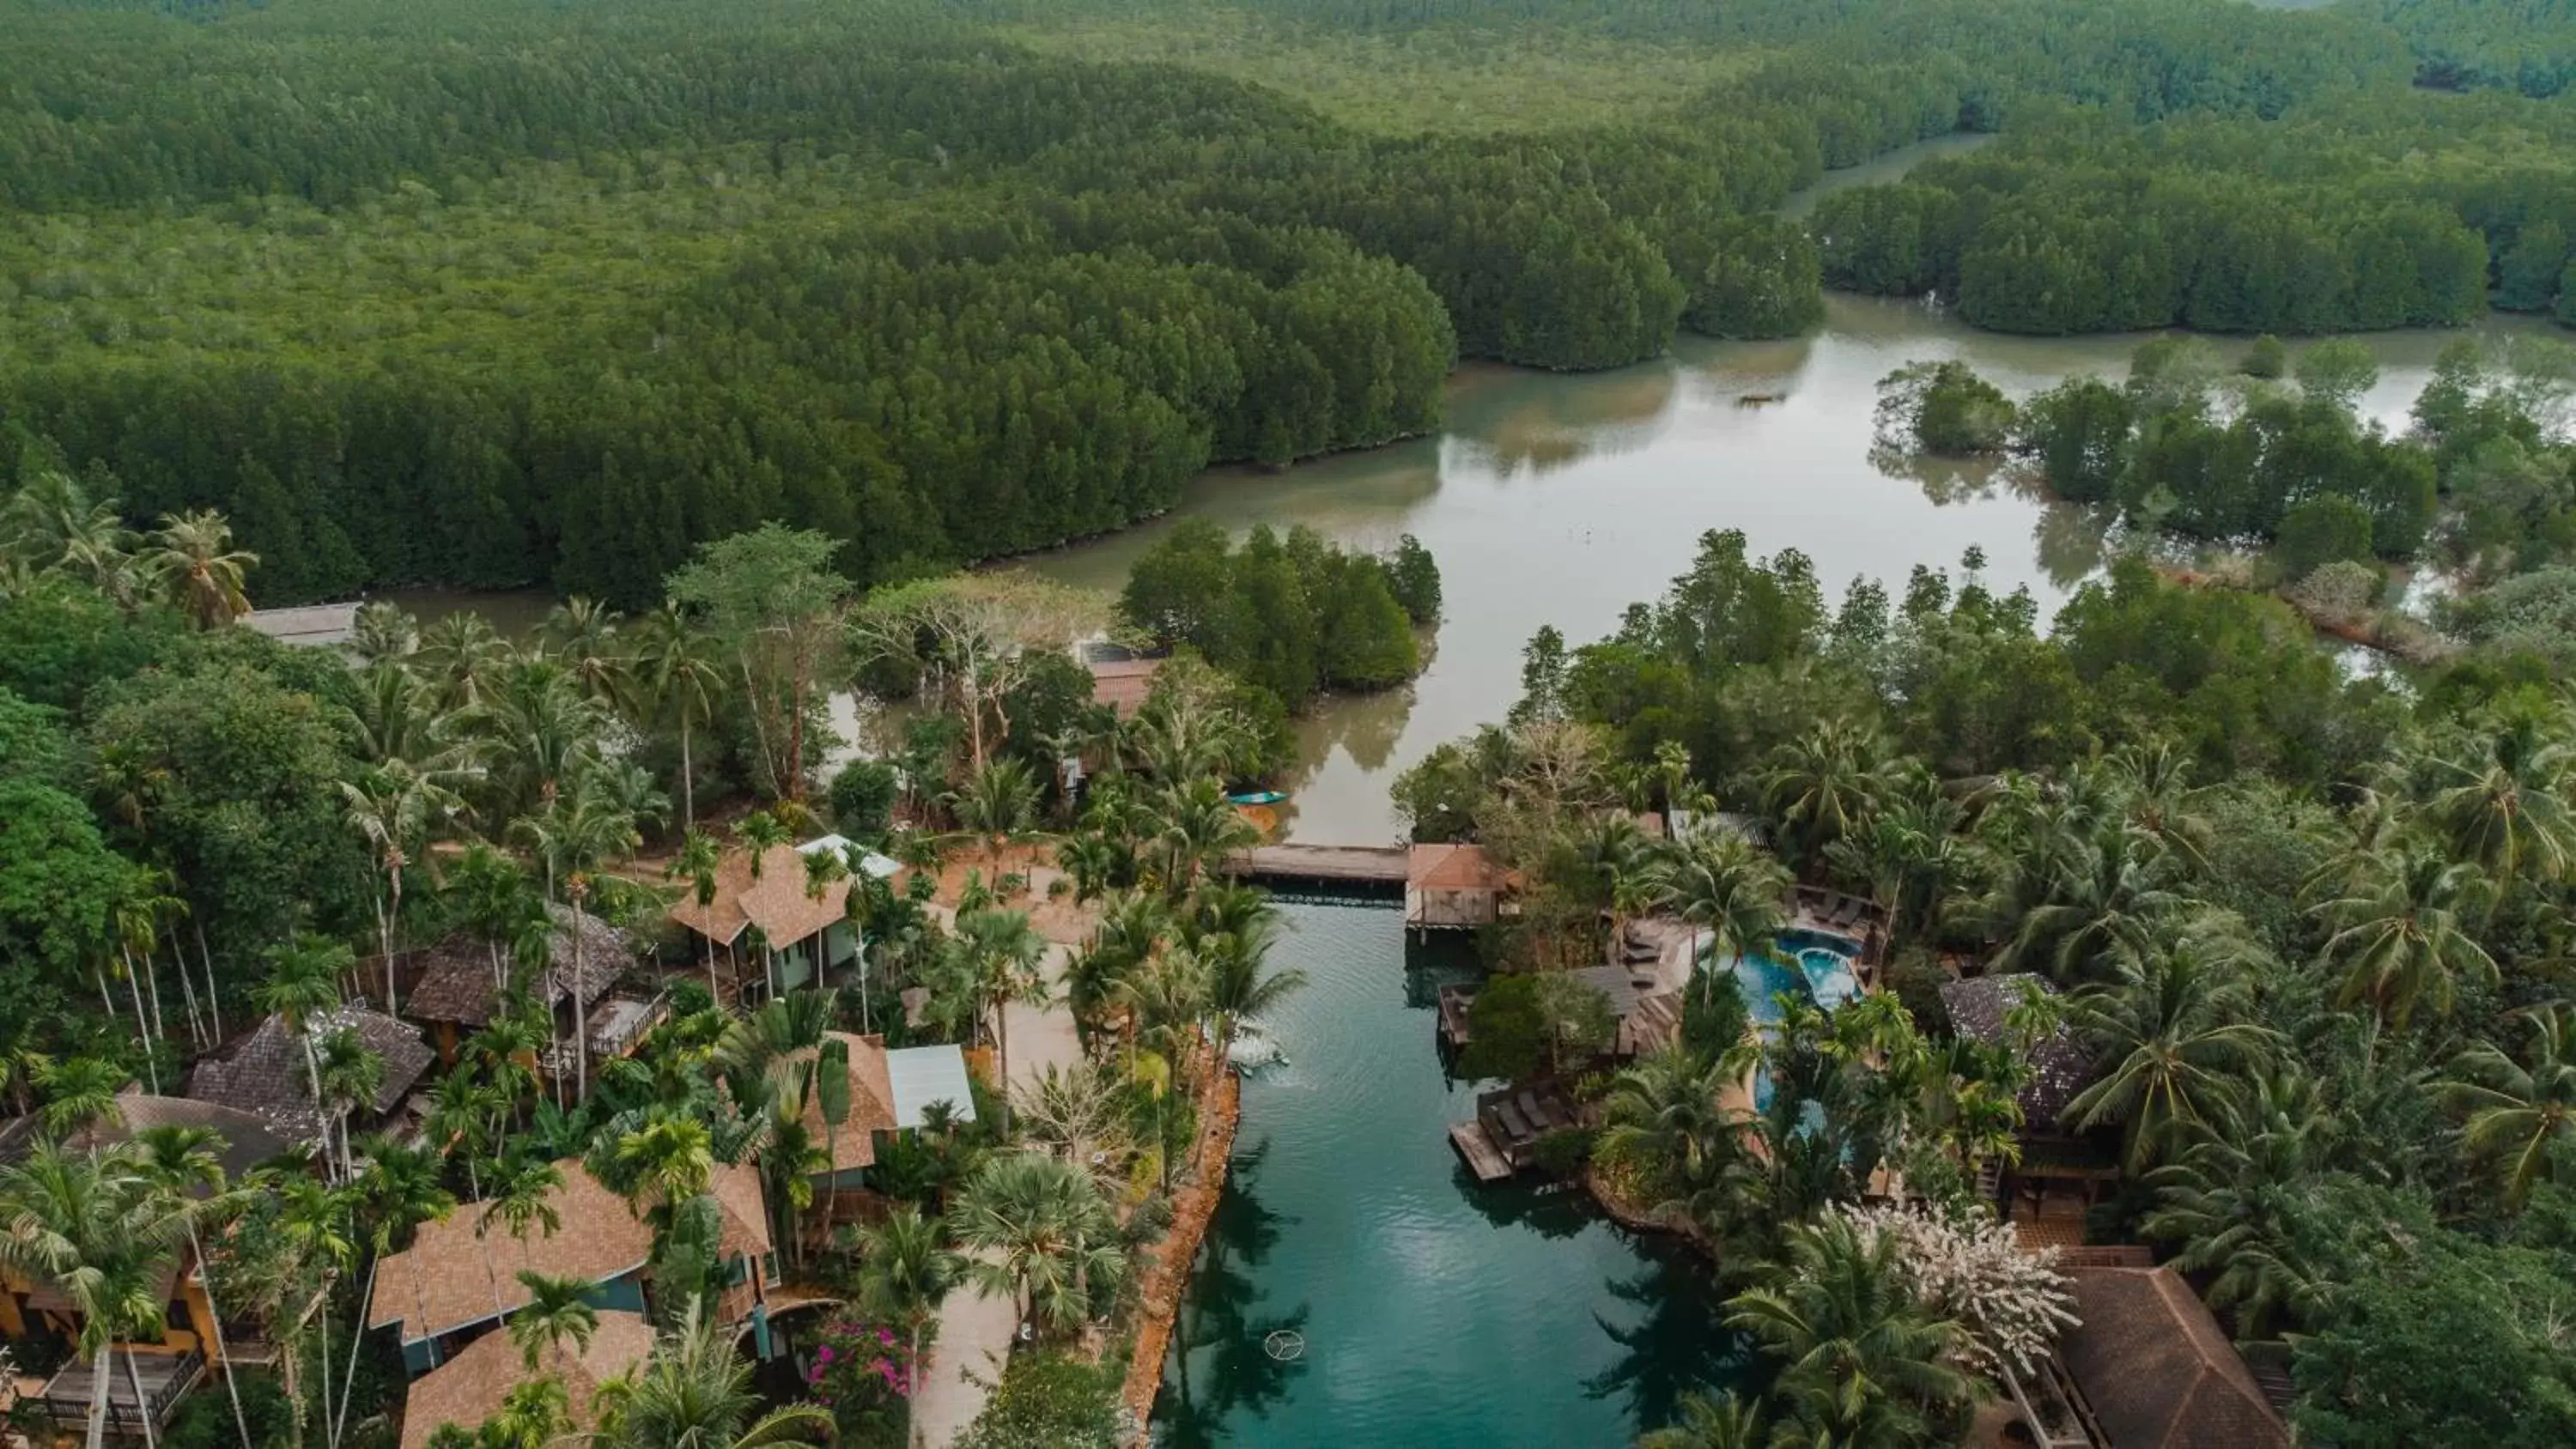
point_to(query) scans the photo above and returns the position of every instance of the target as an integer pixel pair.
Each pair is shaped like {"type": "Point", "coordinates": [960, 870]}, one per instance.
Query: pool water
{"type": "Point", "coordinates": [1435, 1311]}
{"type": "Point", "coordinates": [1814, 965]}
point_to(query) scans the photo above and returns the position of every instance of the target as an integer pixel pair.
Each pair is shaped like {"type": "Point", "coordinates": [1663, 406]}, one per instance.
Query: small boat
{"type": "Point", "coordinates": [1759, 399]}
{"type": "Point", "coordinates": [1257, 797]}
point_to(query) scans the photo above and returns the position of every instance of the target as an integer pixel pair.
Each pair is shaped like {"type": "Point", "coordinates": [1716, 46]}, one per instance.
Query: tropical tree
{"type": "Point", "coordinates": [2175, 1044]}
{"type": "Point", "coordinates": [302, 988]}
{"type": "Point", "coordinates": [462, 658]}
{"type": "Point", "coordinates": [997, 804]}
{"type": "Point", "coordinates": [906, 1270]}
{"type": "Point", "coordinates": [187, 1163]}
{"type": "Point", "coordinates": [2242, 1198]}
{"type": "Point", "coordinates": [670, 1158]}
{"type": "Point", "coordinates": [1862, 1364]}
{"type": "Point", "coordinates": [2501, 798]}
{"type": "Point", "coordinates": [1720, 883]}
{"type": "Point", "coordinates": [1663, 1110]}
{"type": "Point", "coordinates": [2401, 931]}
{"type": "Point", "coordinates": [676, 678]}
{"type": "Point", "coordinates": [999, 956]}
{"type": "Point", "coordinates": [1045, 1235]}
{"type": "Point", "coordinates": [583, 830]}
{"type": "Point", "coordinates": [581, 634]}
{"type": "Point", "coordinates": [2520, 1111]}
{"type": "Point", "coordinates": [697, 862]}
{"type": "Point", "coordinates": [1823, 784]}
{"type": "Point", "coordinates": [1724, 1422]}
{"type": "Point", "coordinates": [348, 1073]}
{"type": "Point", "coordinates": [192, 554]}
{"type": "Point", "coordinates": [1236, 983]}
{"type": "Point", "coordinates": [397, 807]}
{"type": "Point", "coordinates": [558, 1311]}
{"type": "Point", "coordinates": [695, 1392]}
{"type": "Point", "coordinates": [100, 1229]}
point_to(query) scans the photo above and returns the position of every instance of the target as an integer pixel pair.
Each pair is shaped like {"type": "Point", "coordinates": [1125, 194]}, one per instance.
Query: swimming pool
{"type": "Point", "coordinates": [1814, 964]}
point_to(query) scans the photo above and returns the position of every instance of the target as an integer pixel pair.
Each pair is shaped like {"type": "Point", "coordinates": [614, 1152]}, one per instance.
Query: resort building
{"type": "Point", "coordinates": [459, 992]}
{"type": "Point", "coordinates": [1454, 887]}
{"type": "Point", "coordinates": [889, 1091]}
{"type": "Point", "coordinates": [460, 1277]}
{"type": "Point", "coordinates": [2155, 1370]}
{"type": "Point", "coordinates": [776, 927]}
{"type": "Point", "coordinates": [263, 1071]}
{"type": "Point", "coordinates": [2060, 1174]}
{"type": "Point", "coordinates": [470, 1388]}
{"type": "Point", "coordinates": [193, 1345]}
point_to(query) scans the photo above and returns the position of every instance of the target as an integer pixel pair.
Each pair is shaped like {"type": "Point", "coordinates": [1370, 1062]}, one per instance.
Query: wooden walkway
{"type": "Point", "coordinates": [1382, 864]}
{"type": "Point", "coordinates": [1483, 1158]}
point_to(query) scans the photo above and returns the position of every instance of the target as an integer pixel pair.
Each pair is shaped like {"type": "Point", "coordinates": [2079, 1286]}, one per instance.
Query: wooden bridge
{"type": "Point", "coordinates": [1351, 864]}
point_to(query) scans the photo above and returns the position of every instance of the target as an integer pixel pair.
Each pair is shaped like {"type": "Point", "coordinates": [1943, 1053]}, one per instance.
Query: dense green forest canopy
{"type": "Point", "coordinates": [470, 293]}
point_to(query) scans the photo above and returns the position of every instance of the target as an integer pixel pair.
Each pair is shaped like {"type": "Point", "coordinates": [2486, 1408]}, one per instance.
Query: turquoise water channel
{"type": "Point", "coordinates": [1434, 1311]}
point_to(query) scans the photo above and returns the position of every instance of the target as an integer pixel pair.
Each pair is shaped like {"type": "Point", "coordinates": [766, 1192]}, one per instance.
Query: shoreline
{"type": "Point", "coordinates": [1167, 1273]}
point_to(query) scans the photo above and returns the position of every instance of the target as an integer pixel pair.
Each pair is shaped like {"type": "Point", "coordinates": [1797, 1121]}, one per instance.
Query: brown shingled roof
{"type": "Point", "coordinates": [262, 1070]}
{"type": "Point", "coordinates": [871, 1102]}
{"type": "Point", "coordinates": [469, 1388]}
{"type": "Point", "coordinates": [1453, 868]}
{"type": "Point", "coordinates": [456, 980]}
{"type": "Point", "coordinates": [2060, 1066]}
{"type": "Point", "coordinates": [1123, 684]}
{"type": "Point", "coordinates": [2157, 1370]}
{"type": "Point", "coordinates": [249, 1140]}
{"type": "Point", "coordinates": [776, 902]}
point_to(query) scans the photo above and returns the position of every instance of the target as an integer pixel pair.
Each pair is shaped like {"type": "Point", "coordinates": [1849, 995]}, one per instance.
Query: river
{"type": "Point", "coordinates": [1433, 1311]}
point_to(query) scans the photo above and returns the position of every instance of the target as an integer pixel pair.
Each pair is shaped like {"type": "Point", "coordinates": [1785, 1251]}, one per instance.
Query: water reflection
{"type": "Point", "coordinates": [1220, 1365]}
{"type": "Point", "coordinates": [1677, 1348]}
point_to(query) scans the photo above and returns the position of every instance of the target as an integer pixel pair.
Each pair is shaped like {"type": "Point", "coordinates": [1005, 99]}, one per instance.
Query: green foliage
{"type": "Point", "coordinates": [1290, 617]}
{"type": "Point", "coordinates": [1506, 1031]}
{"type": "Point", "coordinates": [2267, 359]}
{"type": "Point", "coordinates": [2319, 531]}
{"type": "Point", "coordinates": [1048, 1400]}
{"type": "Point", "coordinates": [862, 798]}
{"type": "Point", "coordinates": [205, 1420]}
{"type": "Point", "coordinates": [2448, 1342]}
{"type": "Point", "coordinates": [1942, 408]}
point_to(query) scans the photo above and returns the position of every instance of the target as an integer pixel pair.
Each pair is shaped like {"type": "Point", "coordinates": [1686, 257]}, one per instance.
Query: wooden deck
{"type": "Point", "coordinates": [1455, 1002]}
{"type": "Point", "coordinates": [1374, 864]}
{"type": "Point", "coordinates": [165, 1377]}
{"type": "Point", "coordinates": [1483, 1158]}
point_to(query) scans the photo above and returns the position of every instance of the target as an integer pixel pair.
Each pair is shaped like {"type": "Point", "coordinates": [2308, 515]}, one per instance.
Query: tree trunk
{"type": "Point", "coordinates": [187, 989]}
{"type": "Point", "coordinates": [1002, 1060]}
{"type": "Point", "coordinates": [357, 1340]}
{"type": "Point", "coordinates": [152, 985]}
{"type": "Point", "coordinates": [393, 878]}
{"type": "Point", "coordinates": [688, 782]}
{"type": "Point", "coordinates": [142, 1027]}
{"type": "Point", "coordinates": [580, 1007]}
{"type": "Point", "coordinates": [215, 1312]}
{"type": "Point", "coordinates": [793, 783]}
{"type": "Point", "coordinates": [214, 1001]}
{"type": "Point", "coordinates": [102, 1364]}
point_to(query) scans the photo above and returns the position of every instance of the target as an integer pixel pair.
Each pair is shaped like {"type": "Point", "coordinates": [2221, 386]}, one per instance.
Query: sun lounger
{"type": "Point", "coordinates": [1536, 1112]}
{"type": "Point", "coordinates": [1515, 1127]}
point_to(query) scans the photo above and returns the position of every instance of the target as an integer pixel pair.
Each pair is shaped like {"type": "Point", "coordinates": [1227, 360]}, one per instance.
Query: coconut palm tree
{"type": "Point", "coordinates": [1048, 1238]}
{"type": "Point", "coordinates": [1823, 784]}
{"type": "Point", "coordinates": [347, 1073]}
{"type": "Point", "coordinates": [906, 1270]}
{"type": "Point", "coordinates": [399, 1190]}
{"type": "Point", "coordinates": [186, 1162]}
{"type": "Point", "coordinates": [1723, 1422]}
{"type": "Point", "coordinates": [581, 635]}
{"type": "Point", "coordinates": [558, 1311]}
{"type": "Point", "coordinates": [397, 808]}
{"type": "Point", "coordinates": [2519, 1110]}
{"type": "Point", "coordinates": [1235, 984]}
{"type": "Point", "coordinates": [100, 1230]}
{"type": "Point", "coordinates": [2501, 799]}
{"type": "Point", "coordinates": [461, 657]}
{"type": "Point", "coordinates": [697, 862]}
{"type": "Point", "coordinates": [1000, 955]}
{"type": "Point", "coordinates": [2402, 934]}
{"type": "Point", "coordinates": [695, 1392]}
{"type": "Point", "coordinates": [539, 731]}
{"type": "Point", "coordinates": [670, 1159]}
{"type": "Point", "coordinates": [383, 632]}
{"type": "Point", "coordinates": [675, 677]}
{"type": "Point", "coordinates": [2101, 910]}
{"type": "Point", "coordinates": [2175, 1044]}
{"type": "Point", "coordinates": [2238, 1200]}
{"type": "Point", "coordinates": [1862, 1365]}
{"type": "Point", "coordinates": [1719, 883]}
{"type": "Point", "coordinates": [192, 554]}
{"type": "Point", "coordinates": [1663, 1110]}
{"type": "Point", "coordinates": [303, 987]}
{"type": "Point", "coordinates": [586, 828]}
{"type": "Point", "coordinates": [51, 522]}
{"type": "Point", "coordinates": [1197, 827]}
{"type": "Point", "coordinates": [997, 804]}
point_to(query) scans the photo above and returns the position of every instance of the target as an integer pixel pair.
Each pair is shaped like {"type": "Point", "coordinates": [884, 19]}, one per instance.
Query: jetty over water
{"type": "Point", "coordinates": [1338, 864]}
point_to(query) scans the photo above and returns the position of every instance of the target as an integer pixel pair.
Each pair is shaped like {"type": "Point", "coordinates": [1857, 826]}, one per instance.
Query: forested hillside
{"type": "Point", "coordinates": [466, 293]}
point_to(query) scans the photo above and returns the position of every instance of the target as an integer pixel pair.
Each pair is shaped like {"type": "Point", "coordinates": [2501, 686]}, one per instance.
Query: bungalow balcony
{"type": "Point", "coordinates": [165, 1377]}
{"type": "Point", "coordinates": [616, 1024]}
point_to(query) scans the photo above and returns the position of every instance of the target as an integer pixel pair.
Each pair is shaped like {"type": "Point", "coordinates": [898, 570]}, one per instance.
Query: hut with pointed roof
{"type": "Point", "coordinates": [470, 1388]}
{"type": "Point", "coordinates": [770, 913]}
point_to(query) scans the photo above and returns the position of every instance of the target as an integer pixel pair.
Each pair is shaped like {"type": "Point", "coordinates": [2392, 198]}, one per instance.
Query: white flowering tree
{"type": "Point", "coordinates": [1969, 1268]}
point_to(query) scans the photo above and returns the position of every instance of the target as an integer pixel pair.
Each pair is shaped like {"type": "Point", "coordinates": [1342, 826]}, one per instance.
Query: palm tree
{"type": "Point", "coordinates": [2100, 912]}
{"type": "Point", "coordinates": [671, 1158]}
{"type": "Point", "coordinates": [2401, 931]}
{"type": "Point", "coordinates": [558, 1310]}
{"type": "Point", "coordinates": [461, 657]}
{"type": "Point", "coordinates": [99, 1229]}
{"type": "Point", "coordinates": [463, 1125]}
{"type": "Point", "coordinates": [997, 804]}
{"type": "Point", "coordinates": [535, 1414]}
{"type": "Point", "coordinates": [186, 1163]}
{"type": "Point", "coordinates": [524, 1200]}
{"type": "Point", "coordinates": [51, 522]}
{"type": "Point", "coordinates": [1863, 1365]}
{"type": "Point", "coordinates": [676, 676]}
{"type": "Point", "coordinates": [347, 1073]}
{"type": "Point", "coordinates": [2175, 1044]}
{"type": "Point", "coordinates": [1663, 1109]}
{"type": "Point", "coordinates": [78, 1091]}
{"type": "Point", "coordinates": [399, 1191]}
{"type": "Point", "coordinates": [1723, 1422]}
{"type": "Point", "coordinates": [585, 828]}
{"type": "Point", "coordinates": [1000, 954]}
{"type": "Point", "coordinates": [697, 862]}
{"type": "Point", "coordinates": [2518, 1111]}
{"type": "Point", "coordinates": [1717, 881]}
{"type": "Point", "coordinates": [303, 987]}
{"type": "Point", "coordinates": [1049, 1237]}
{"type": "Point", "coordinates": [540, 732]}
{"type": "Point", "coordinates": [582, 635]}
{"type": "Point", "coordinates": [193, 556]}
{"type": "Point", "coordinates": [2502, 800]}
{"type": "Point", "coordinates": [1823, 784]}
{"type": "Point", "coordinates": [1234, 985]}
{"type": "Point", "coordinates": [2238, 1200]}
{"type": "Point", "coordinates": [398, 807]}
{"type": "Point", "coordinates": [760, 833]}
{"type": "Point", "coordinates": [383, 632]}
{"type": "Point", "coordinates": [906, 1270]}
{"type": "Point", "coordinates": [695, 1392]}
{"type": "Point", "coordinates": [1198, 827]}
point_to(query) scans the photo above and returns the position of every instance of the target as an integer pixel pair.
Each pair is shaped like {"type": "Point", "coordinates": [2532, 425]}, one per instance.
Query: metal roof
{"type": "Point", "coordinates": [926, 1074]}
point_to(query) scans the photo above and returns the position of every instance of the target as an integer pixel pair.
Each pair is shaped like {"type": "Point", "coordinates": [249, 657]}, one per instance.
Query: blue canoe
{"type": "Point", "coordinates": [1257, 797]}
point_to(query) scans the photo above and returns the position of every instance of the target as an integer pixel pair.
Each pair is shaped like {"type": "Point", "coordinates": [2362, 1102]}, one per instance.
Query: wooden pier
{"type": "Point", "coordinates": [1353, 864]}
{"type": "Point", "coordinates": [1455, 1004]}
{"type": "Point", "coordinates": [1483, 1158]}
